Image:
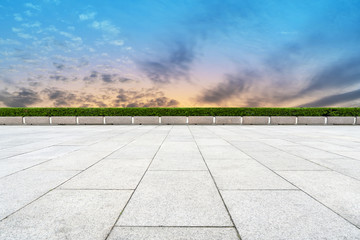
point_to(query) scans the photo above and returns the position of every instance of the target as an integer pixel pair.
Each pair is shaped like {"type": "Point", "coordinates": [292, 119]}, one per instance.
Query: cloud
{"type": "Point", "coordinates": [173, 67]}
{"type": "Point", "coordinates": [22, 98]}
{"type": "Point", "coordinates": [64, 98]}
{"type": "Point", "coordinates": [32, 6]}
{"type": "Point", "coordinates": [106, 26]}
{"type": "Point", "coordinates": [143, 98]}
{"type": "Point", "coordinates": [87, 16]}
{"type": "Point", "coordinates": [233, 86]}
{"type": "Point", "coordinates": [60, 98]}
{"type": "Point", "coordinates": [117, 42]}
{"type": "Point", "coordinates": [8, 42]}
{"type": "Point", "coordinates": [59, 78]}
{"type": "Point", "coordinates": [59, 66]}
{"type": "Point", "coordinates": [18, 17]}
{"type": "Point", "coordinates": [56, 2]}
{"type": "Point", "coordinates": [334, 99]}
{"type": "Point", "coordinates": [343, 73]}
{"type": "Point", "coordinates": [160, 102]}
{"type": "Point", "coordinates": [31, 25]}
{"type": "Point", "coordinates": [105, 77]}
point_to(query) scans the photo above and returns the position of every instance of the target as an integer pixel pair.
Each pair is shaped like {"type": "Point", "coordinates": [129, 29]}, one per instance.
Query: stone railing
{"type": "Point", "coordinates": [180, 120]}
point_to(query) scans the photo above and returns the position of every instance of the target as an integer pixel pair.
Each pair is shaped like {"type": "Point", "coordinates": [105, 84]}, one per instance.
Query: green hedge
{"type": "Point", "coordinates": [179, 111]}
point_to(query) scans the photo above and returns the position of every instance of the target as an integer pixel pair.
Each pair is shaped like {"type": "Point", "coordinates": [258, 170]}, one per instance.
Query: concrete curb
{"type": "Point", "coordinates": [36, 120]}
{"type": "Point", "coordinates": [118, 120]}
{"type": "Point", "coordinates": [341, 120]}
{"type": "Point", "coordinates": [146, 120]}
{"type": "Point", "coordinates": [173, 120]}
{"type": "Point", "coordinates": [201, 120]}
{"type": "Point", "coordinates": [311, 120]}
{"type": "Point", "coordinates": [283, 120]}
{"type": "Point", "coordinates": [255, 120]}
{"type": "Point", "coordinates": [227, 120]}
{"type": "Point", "coordinates": [180, 120]}
{"type": "Point", "coordinates": [11, 120]}
{"type": "Point", "coordinates": [96, 120]}
{"type": "Point", "coordinates": [63, 120]}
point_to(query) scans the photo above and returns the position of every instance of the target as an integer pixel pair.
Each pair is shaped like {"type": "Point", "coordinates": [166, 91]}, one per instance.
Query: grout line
{"type": "Point", "coordinates": [289, 182]}
{"type": "Point", "coordinates": [95, 189]}
{"type": "Point", "coordinates": [72, 177]}
{"type": "Point", "coordinates": [217, 188]}
{"type": "Point", "coordinates": [146, 226]}
{"type": "Point", "coordinates": [47, 160]}
{"type": "Point", "coordinates": [260, 189]}
{"type": "Point", "coordinates": [142, 177]}
{"type": "Point", "coordinates": [155, 170]}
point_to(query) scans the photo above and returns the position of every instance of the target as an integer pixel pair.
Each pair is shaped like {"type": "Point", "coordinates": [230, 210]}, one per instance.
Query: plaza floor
{"type": "Point", "coordinates": [180, 182]}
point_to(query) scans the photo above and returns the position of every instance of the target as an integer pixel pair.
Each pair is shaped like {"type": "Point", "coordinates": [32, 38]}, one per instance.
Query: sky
{"type": "Point", "coordinates": [180, 53]}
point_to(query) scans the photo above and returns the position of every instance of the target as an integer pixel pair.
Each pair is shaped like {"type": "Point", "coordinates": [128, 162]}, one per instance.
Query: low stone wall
{"type": "Point", "coordinates": [180, 120]}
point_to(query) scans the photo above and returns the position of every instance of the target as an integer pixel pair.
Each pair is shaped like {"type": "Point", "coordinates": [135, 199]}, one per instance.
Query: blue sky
{"type": "Point", "coordinates": [258, 53]}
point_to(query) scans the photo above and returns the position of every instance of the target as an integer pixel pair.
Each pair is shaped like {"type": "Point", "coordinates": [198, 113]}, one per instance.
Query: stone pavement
{"type": "Point", "coordinates": [179, 182]}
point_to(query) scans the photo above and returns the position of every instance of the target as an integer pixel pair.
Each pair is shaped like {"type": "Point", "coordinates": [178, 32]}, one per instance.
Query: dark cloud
{"type": "Point", "coordinates": [108, 78]}
{"type": "Point", "coordinates": [344, 73]}
{"type": "Point", "coordinates": [172, 67]}
{"type": "Point", "coordinates": [59, 66]}
{"type": "Point", "coordinates": [233, 86]}
{"type": "Point", "coordinates": [22, 98]}
{"type": "Point", "coordinates": [105, 77]}
{"type": "Point", "coordinates": [64, 98]}
{"type": "Point", "coordinates": [334, 99]}
{"type": "Point", "coordinates": [92, 77]}
{"type": "Point", "coordinates": [60, 98]}
{"type": "Point", "coordinates": [143, 98]}
{"type": "Point", "coordinates": [213, 17]}
{"type": "Point", "coordinates": [59, 78]}
{"type": "Point", "coordinates": [161, 102]}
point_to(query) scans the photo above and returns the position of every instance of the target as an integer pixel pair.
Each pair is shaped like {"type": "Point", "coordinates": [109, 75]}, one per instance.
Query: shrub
{"type": "Point", "coordinates": [179, 111]}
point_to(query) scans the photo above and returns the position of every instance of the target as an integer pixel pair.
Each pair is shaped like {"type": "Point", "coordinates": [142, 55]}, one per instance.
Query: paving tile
{"type": "Point", "coordinates": [47, 153]}
{"type": "Point", "coordinates": [110, 174]}
{"type": "Point", "coordinates": [352, 154]}
{"type": "Point", "coordinates": [245, 174]}
{"type": "Point", "coordinates": [175, 199]}
{"type": "Point", "coordinates": [77, 160]}
{"type": "Point", "coordinates": [176, 163]}
{"type": "Point", "coordinates": [347, 166]}
{"type": "Point", "coordinates": [9, 166]}
{"type": "Point", "coordinates": [278, 160]}
{"type": "Point", "coordinates": [338, 192]}
{"type": "Point", "coordinates": [165, 233]}
{"type": "Point", "coordinates": [135, 152]}
{"type": "Point", "coordinates": [253, 146]}
{"type": "Point", "coordinates": [290, 215]}
{"type": "Point", "coordinates": [222, 153]}
{"type": "Point", "coordinates": [23, 187]}
{"type": "Point", "coordinates": [66, 214]}
{"type": "Point", "coordinates": [7, 154]}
